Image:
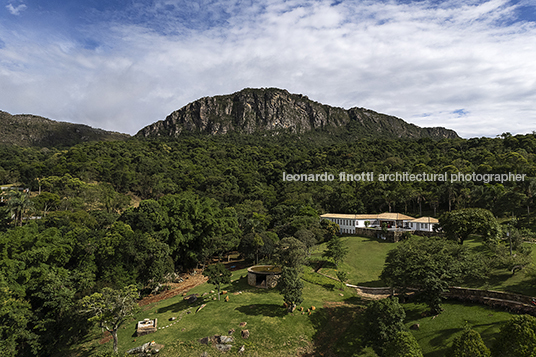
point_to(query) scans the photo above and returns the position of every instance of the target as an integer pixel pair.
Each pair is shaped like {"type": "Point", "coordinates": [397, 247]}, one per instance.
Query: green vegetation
{"type": "Point", "coordinates": [31, 130]}
{"type": "Point", "coordinates": [436, 334]}
{"type": "Point", "coordinates": [403, 344]}
{"type": "Point", "coordinates": [273, 331]}
{"type": "Point", "coordinates": [469, 344]}
{"type": "Point", "coordinates": [459, 224]}
{"type": "Point", "coordinates": [335, 250]}
{"type": "Point", "coordinates": [217, 275]}
{"type": "Point", "coordinates": [363, 263]}
{"type": "Point", "coordinates": [516, 338]}
{"type": "Point", "coordinates": [111, 308]}
{"type": "Point", "coordinates": [121, 213]}
{"type": "Point", "coordinates": [383, 320]}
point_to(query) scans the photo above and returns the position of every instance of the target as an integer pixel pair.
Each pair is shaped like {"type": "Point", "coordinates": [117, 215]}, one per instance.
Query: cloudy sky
{"type": "Point", "coordinates": [468, 65]}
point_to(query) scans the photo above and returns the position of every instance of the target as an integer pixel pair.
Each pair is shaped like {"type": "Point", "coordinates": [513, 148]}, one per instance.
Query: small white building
{"type": "Point", "coordinates": [422, 224]}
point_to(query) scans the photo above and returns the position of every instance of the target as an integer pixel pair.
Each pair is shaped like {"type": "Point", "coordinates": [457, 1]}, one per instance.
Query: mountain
{"type": "Point", "coordinates": [278, 111]}
{"type": "Point", "coordinates": [31, 130]}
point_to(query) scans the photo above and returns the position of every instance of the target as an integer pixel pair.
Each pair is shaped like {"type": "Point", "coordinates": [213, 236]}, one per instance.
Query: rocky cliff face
{"type": "Point", "coordinates": [276, 110]}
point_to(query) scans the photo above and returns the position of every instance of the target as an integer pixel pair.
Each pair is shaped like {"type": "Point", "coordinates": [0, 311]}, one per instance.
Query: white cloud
{"type": "Point", "coordinates": [400, 59]}
{"type": "Point", "coordinates": [16, 10]}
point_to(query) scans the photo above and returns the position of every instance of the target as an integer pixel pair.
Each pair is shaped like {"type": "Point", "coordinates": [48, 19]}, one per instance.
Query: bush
{"type": "Point", "coordinates": [404, 344]}
{"type": "Point", "coordinates": [469, 344]}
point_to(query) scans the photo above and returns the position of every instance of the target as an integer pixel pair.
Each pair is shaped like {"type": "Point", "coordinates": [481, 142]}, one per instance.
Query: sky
{"type": "Point", "coordinates": [467, 65]}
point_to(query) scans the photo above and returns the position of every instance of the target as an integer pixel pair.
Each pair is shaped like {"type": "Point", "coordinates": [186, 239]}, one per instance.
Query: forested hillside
{"type": "Point", "coordinates": [110, 214]}
{"type": "Point", "coordinates": [33, 130]}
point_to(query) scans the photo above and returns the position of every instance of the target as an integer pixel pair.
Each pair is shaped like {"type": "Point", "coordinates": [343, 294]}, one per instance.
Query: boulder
{"type": "Point", "coordinates": [415, 327]}
{"type": "Point", "coordinates": [224, 348]}
{"type": "Point", "coordinates": [231, 331]}
{"type": "Point", "coordinates": [242, 349]}
{"type": "Point", "coordinates": [146, 349]}
{"type": "Point", "coordinates": [200, 307]}
{"type": "Point", "coordinates": [226, 339]}
{"type": "Point", "coordinates": [245, 333]}
{"type": "Point", "coordinates": [242, 324]}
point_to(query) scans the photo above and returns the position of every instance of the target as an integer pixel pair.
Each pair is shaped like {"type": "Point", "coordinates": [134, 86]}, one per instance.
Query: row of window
{"type": "Point", "coordinates": [344, 222]}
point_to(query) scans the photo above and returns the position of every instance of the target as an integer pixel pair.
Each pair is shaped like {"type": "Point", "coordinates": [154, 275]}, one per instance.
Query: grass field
{"type": "Point", "coordinates": [364, 261]}
{"type": "Point", "coordinates": [273, 332]}
{"type": "Point", "coordinates": [435, 335]}
{"type": "Point", "coordinates": [333, 329]}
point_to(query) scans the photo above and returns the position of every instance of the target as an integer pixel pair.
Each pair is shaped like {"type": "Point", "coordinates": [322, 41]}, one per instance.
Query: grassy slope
{"type": "Point", "coordinates": [435, 335]}
{"type": "Point", "coordinates": [364, 261]}
{"type": "Point", "coordinates": [273, 331]}
{"type": "Point", "coordinates": [502, 280]}
{"type": "Point", "coordinates": [332, 329]}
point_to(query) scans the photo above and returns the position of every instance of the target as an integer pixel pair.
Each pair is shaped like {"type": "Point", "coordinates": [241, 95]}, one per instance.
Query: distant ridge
{"type": "Point", "coordinates": [278, 111]}
{"type": "Point", "coordinates": [32, 130]}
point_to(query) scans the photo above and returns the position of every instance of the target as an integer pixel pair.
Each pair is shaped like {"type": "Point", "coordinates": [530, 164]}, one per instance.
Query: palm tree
{"type": "Point", "coordinates": [18, 203]}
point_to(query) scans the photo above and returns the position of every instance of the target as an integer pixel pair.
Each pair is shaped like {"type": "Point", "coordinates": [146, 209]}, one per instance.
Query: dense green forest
{"type": "Point", "coordinates": [112, 214]}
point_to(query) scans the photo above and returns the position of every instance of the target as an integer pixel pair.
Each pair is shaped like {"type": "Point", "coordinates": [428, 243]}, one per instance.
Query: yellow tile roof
{"type": "Point", "coordinates": [394, 216]}
{"type": "Point", "coordinates": [384, 216]}
{"type": "Point", "coordinates": [349, 216]}
{"type": "Point", "coordinates": [425, 220]}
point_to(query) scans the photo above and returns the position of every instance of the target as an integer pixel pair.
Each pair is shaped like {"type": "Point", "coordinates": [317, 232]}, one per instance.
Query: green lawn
{"type": "Point", "coordinates": [333, 329]}
{"type": "Point", "coordinates": [273, 331]}
{"type": "Point", "coordinates": [364, 261]}
{"type": "Point", "coordinates": [503, 280]}
{"type": "Point", "coordinates": [435, 335]}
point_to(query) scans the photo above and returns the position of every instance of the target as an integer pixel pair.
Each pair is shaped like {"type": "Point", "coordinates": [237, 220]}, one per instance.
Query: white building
{"type": "Point", "coordinates": [422, 224]}
{"type": "Point", "coordinates": [349, 222]}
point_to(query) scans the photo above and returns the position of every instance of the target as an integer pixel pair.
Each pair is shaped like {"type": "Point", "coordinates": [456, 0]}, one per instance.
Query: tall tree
{"type": "Point", "coordinates": [111, 308]}
{"type": "Point", "coordinates": [18, 203]}
{"type": "Point", "coordinates": [383, 319]}
{"type": "Point", "coordinates": [430, 265]}
{"type": "Point", "coordinates": [290, 252]}
{"type": "Point", "coordinates": [217, 276]}
{"type": "Point", "coordinates": [335, 250]}
{"type": "Point", "coordinates": [459, 224]}
{"type": "Point", "coordinates": [291, 287]}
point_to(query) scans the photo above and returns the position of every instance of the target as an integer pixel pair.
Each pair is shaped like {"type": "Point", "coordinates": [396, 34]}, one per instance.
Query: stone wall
{"type": "Point", "coordinates": [512, 302]}
{"type": "Point", "coordinates": [252, 279]}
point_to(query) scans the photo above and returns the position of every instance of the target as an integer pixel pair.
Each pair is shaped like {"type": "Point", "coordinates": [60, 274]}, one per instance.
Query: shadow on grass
{"type": "Point", "coordinates": [271, 310]}
{"type": "Point", "coordinates": [84, 351]}
{"type": "Point", "coordinates": [338, 331]}
{"type": "Point", "coordinates": [378, 240]}
{"type": "Point", "coordinates": [180, 306]}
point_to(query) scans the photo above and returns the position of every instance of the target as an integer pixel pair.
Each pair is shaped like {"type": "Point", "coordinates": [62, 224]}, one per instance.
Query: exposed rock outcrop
{"type": "Point", "coordinates": [276, 110]}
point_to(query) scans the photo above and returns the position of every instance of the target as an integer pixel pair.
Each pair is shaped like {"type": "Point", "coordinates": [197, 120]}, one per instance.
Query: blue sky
{"type": "Point", "coordinates": [120, 65]}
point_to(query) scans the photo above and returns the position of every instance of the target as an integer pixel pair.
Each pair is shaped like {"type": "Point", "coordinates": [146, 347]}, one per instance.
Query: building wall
{"type": "Point", "coordinates": [271, 280]}
{"type": "Point", "coordinates": [346, 225]}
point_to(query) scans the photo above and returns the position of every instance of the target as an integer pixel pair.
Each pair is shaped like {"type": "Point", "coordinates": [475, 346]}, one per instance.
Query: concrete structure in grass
{"type": "Point", "coordinates": [264, 276]}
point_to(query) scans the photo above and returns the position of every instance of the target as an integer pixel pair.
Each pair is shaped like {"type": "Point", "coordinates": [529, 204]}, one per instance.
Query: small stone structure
{"type": "Point", "coordinates": [264, 276]}
{"type": "Point", "coordinates": [146, 326]}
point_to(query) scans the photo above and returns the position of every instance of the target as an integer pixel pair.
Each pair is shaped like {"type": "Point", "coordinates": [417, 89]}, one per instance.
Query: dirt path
{"type": "Point", "coordinates": [190, 282]}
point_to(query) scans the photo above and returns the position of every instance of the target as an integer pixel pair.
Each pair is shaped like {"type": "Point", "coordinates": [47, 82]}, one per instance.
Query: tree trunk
{"type": "Point", "coordinates": [114, 336]}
